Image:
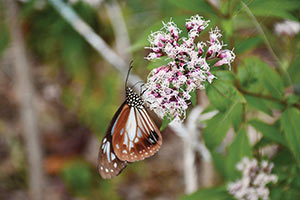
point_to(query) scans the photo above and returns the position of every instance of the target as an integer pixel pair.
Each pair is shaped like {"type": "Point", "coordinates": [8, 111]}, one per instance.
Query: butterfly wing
{"type": "Point", "coordinates": [138, 137]}
{"type": "Point", "coordinates": [109, 165]}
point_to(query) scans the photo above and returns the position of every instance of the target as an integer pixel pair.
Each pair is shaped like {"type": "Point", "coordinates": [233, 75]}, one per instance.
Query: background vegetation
{"type": "Point", "coordinates": [77, 93]}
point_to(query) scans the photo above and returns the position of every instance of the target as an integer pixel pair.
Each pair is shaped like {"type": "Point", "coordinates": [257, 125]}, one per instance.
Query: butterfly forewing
{"type": "Point", "coordinates": [109, 164]}
{"type": "Point", "coordinates": [139, 138]}
{"type": "Point", "coordinates": [131, 136]}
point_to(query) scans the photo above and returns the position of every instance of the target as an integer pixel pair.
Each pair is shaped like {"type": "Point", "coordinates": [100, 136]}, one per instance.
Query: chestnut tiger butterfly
{"type": "Point", "coordinates": [130, 137]}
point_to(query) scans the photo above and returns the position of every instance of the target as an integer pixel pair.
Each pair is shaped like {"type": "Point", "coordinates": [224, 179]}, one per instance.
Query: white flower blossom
{"type": "Point", "coordinates": [287, 27]}
{"type": "Point", "coordinates": [255, 177]}
{"type": "Point", "coordinates": [168, 87]}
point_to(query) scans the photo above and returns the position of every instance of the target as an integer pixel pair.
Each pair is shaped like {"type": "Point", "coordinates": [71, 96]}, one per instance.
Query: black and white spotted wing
{"type": "Point", "coordinates": [109, 165]}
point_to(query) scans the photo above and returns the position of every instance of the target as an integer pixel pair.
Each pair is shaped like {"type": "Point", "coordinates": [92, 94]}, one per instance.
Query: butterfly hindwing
{"type": "Point", "coordinates": [109, 164]}
{"type": "Point", "coordinates": [138, 137]}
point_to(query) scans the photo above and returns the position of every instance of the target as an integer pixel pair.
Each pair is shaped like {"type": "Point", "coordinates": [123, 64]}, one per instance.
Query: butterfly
{"type": "Point", "coordinates": [130, 137]}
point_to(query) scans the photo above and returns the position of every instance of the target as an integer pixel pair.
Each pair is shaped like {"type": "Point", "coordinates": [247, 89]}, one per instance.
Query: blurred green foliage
{"type": "Point", "coordinates": [256, 84]}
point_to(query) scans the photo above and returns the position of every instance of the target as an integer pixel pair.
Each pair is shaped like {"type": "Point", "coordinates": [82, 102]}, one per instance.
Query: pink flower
{"type": "Point", "coordinates": [169, 87]}
{"type": "Point", "coordinates": [226, 56]}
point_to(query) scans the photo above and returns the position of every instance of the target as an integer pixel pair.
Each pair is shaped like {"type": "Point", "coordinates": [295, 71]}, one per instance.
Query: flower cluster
{"type": "Point", "coordinates": [255, 177]}
{"type": "Point", "coordinates": [168, 87]}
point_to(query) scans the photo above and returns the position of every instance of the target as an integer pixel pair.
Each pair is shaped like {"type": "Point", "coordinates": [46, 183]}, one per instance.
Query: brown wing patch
{"type": "Point", "coordinates": [139, 138]}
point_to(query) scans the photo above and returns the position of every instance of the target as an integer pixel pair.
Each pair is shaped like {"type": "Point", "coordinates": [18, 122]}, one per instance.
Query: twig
{"type": "Point", "coordinates": [119, 26]}
{"type": "Point", "coordinates": [190, 171]}
{"type": "Point", "coordinates": [93, 39]}
{"type": "Point", "coordinates": [25, 93]}
{"type": "Point", "coordinates": [268, 97]}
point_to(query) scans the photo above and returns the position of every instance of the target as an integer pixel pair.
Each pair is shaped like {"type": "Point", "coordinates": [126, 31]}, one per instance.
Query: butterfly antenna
{"type": "Point", "coordinates": [142, 92]}
{"type": "Point", "coordinates": [137, 83]}
{"type": "Point", "coordinates": [130, 68]}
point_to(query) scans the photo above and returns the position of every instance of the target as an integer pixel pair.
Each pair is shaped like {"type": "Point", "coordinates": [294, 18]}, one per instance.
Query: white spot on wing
{"type": "Point", "coordinates": [115, 165]}
{"type": "Point", "coordinates": [107, 151]}
{"type": "Point", "coordinates": [131, 124]}
{"type": "Point", "coordinates": [136, 140]}
{"type": "Point", "coordinates": [112, 156]}
{"type": "Point", "coordinates": [106, 170]}
{"type": "Point", "coordinates": [124, 151]}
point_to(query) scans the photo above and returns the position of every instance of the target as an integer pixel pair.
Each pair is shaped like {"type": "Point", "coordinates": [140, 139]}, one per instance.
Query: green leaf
{"type": "Point", "coordinates": [237, 116]}
{"type": "Point", "coordinates": [258, 103]}
{"type": "Point", "coordinates": [274, 8]}
{"type": "Point", "coordinates": [194, 97]}
{"type": "Point", "coordinates": [263, 142]}
{"type": "Point", "coordinates": [217, 193]}
{"type": "Point", "coordinates": [247, 44]}
{"type": "Point", "coordinates": [283, 158]}
{"type": "Point", "coordinates": [271, 132]}
{"type": "Point", "coordinates": [293, 99]}
{"type": "Point", "coordinates": [200, 6]}
{"type": "Point", "coordinates": [290, 124]}
{"type": "Point", "coordinates": [225, 75]}
{"type": "Point", "coordinates": [217, 127]}
{"type": "Point", "coordinates": [166, 121]}
{"type": "Point", "coordinates": [258, 77]}
{"type": "Point", "coordinates": [293, 69]}
{"type": "Point", "coordinates": [219, 160]}
{"type": "Point", "coordinates": [239, 148]}
{"type": "Point", "coordinates": [222, 94]}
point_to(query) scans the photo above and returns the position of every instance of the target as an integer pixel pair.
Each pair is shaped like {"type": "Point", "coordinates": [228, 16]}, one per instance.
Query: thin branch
{"type": "Point", "coordinates": [93, 39]}
{"type": "Point", "coordinates": [25, 93]}
{"type": "Point", "coordinates": [189, 154]}
{"type": "Point", "coordinates": [268, 97]}
{"type": "Point", "coordinates": [119, 26]}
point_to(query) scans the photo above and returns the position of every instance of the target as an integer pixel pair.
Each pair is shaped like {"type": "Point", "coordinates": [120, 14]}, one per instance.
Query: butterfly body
{"type": "Point", "coordinates": [131, 136]}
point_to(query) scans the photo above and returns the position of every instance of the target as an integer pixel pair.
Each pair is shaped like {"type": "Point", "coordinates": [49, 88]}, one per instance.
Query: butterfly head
{"type": "Point", "coordinates": [133, 99]}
